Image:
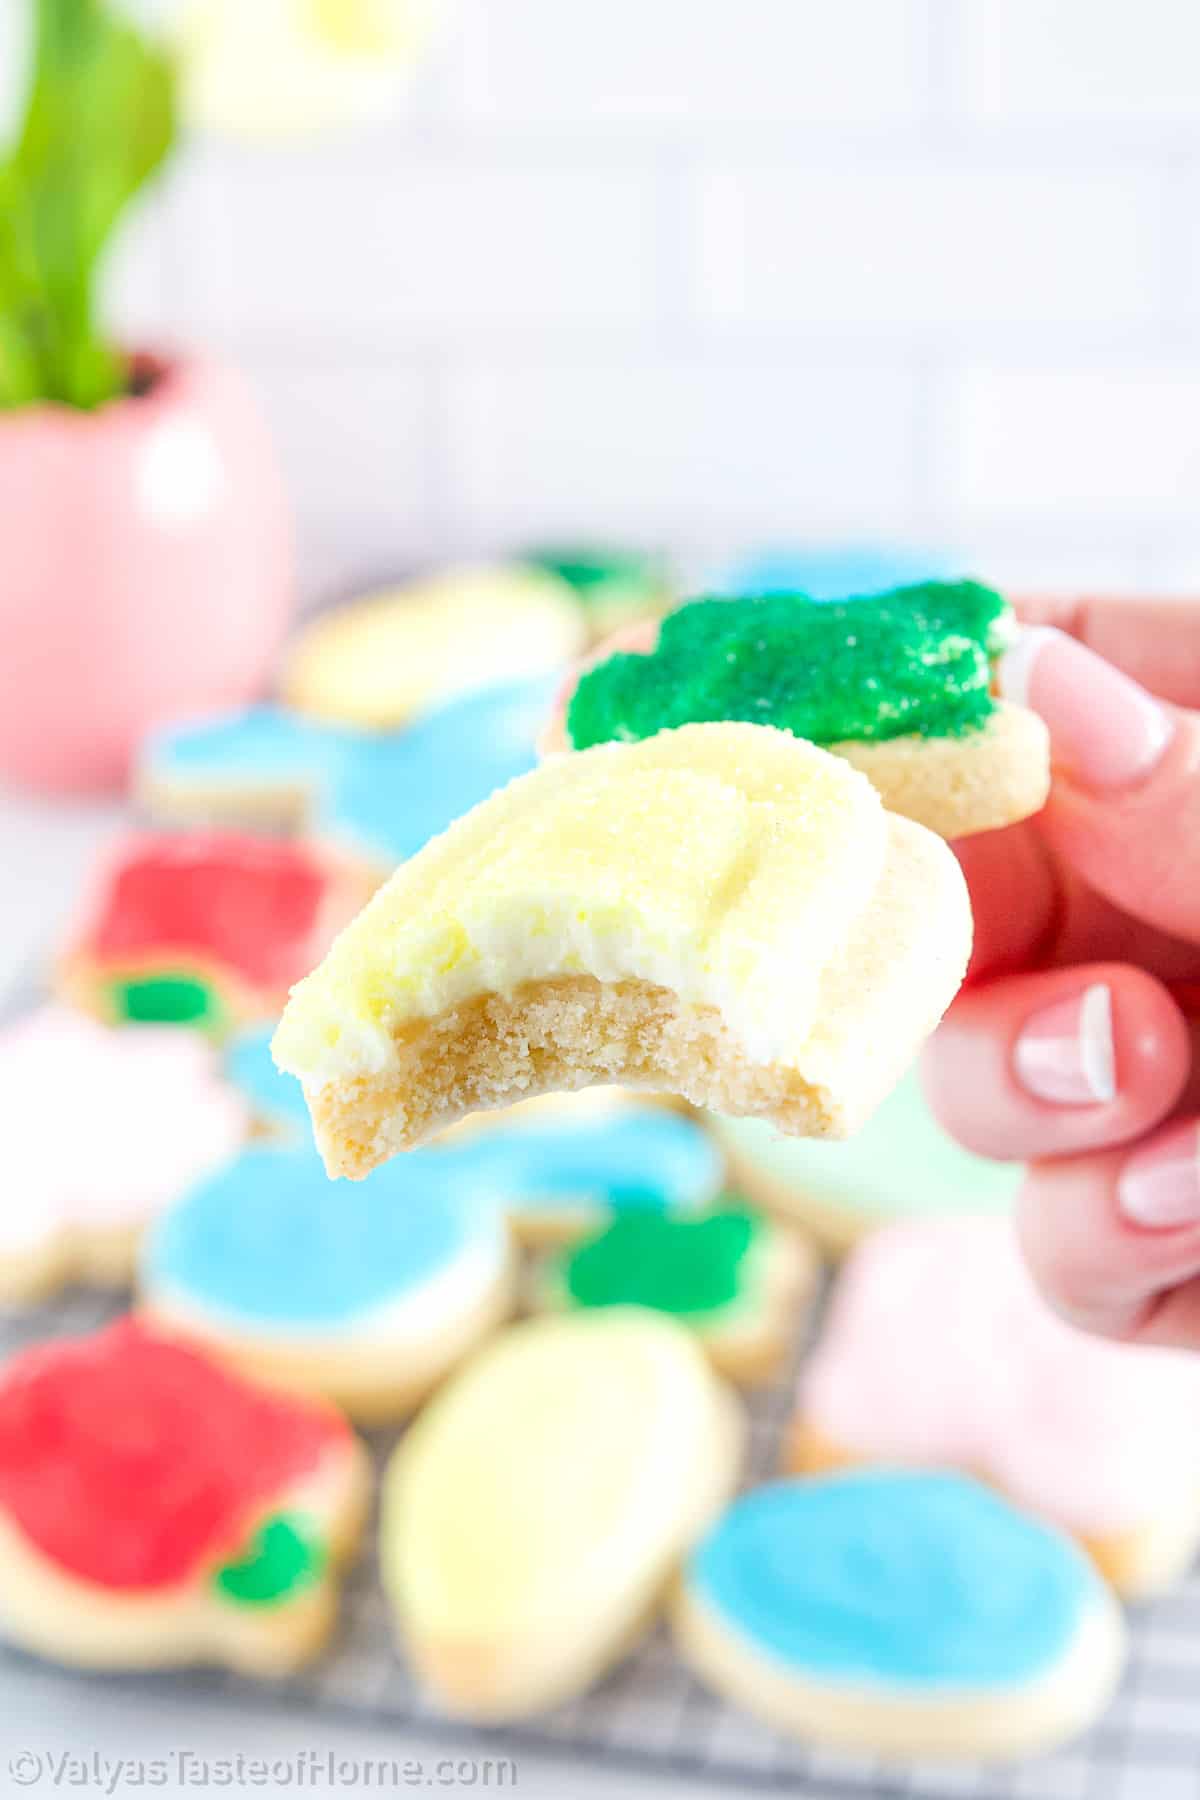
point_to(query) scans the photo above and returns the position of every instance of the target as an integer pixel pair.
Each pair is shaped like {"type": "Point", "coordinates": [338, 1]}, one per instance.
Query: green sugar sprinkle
{"type": "Point", "coordinates": [676, 1265]}
{"type": "Point", "coordinates": [283, 1558]}
{"type": "Point", "coordinates": [912, 660]}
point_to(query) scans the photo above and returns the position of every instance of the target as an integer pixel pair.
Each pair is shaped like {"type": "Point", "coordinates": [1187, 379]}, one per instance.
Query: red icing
{"type": "Point", "coordinates": [136, 1463]}
{"type": "Point", "coordinates": [249, 903]}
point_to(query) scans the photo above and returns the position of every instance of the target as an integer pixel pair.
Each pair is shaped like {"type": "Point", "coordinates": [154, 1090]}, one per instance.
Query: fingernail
{"type": "Point", "coordinates": [1105, 730]}
{"type": "Point", "coordinates": [1160, 1186]}
{"type": "Point", "coordinates": [1064, 1052]}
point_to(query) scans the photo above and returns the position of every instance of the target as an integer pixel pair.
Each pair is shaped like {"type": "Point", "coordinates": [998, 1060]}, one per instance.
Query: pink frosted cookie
{"type": "Point", "coordinates": [938, 1350]}
{"type": "Point", "coordinates": [147, 1112]}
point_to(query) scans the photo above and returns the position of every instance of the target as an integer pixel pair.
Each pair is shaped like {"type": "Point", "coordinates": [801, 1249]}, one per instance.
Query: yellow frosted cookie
{"type": "Point", "coordinates": [724, 911]}
{"type": "Point", "coordinates": [536, 1510]}
{"type": "Point", "coordinates": [384, 658]}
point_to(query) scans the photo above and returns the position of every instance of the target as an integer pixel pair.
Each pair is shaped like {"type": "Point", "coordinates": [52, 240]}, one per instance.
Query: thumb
{"type": "Point", "coordinates": [1124, 806]}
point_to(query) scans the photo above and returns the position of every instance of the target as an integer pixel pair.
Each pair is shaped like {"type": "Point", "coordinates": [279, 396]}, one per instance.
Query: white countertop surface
{"type": "Point", "coordinates": [45, 852]}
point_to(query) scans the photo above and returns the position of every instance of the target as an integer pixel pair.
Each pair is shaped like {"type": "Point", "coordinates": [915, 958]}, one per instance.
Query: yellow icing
{"type": "Point", "coordinates": [726, 862]}
{"type": "Point", "coordinates": [561, 1466]}
{"type": "Point", "coordinates": [380, 659]}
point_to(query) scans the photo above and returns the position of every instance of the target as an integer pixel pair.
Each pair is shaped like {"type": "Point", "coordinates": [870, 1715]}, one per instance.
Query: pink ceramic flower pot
{"type": "Point", "coordinates": [145, 570]}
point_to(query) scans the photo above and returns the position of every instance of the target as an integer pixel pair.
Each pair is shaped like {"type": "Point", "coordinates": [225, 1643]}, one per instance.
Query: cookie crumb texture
{"type": "Point", "coordinates": [914, 660]}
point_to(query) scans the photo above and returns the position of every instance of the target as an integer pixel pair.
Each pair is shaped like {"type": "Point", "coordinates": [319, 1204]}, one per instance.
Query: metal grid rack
{"type": "Point", "coordinates": [650, 1715]}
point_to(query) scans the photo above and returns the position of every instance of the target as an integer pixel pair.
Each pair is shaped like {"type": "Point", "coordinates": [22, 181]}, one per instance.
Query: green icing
{"type": "Point", "coordinates": [900, 1165]}
{"type": "Point", "coordinates": [601, 578]}
{"type": "Point", "coordinates": [283, 1558]}
{"type": "Point", "coordinates": [915, 659]}
{"type": "Point", "coordinates": [165, 1000]}
{"type": "Point", "coordinates": [676, 1265]}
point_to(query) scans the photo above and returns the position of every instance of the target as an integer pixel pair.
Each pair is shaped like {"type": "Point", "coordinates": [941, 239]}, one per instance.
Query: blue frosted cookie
{"type": "Point", "coordinates": [382, 794]}
{"type": "Point", "coordinates": [830, 572]}
{"type": "Point", "coordinates": [900, 1612]}
{"type": "Point", "coordinates": [366, 1293]}
{"type": "Point", "coordinates": [567, 1164]}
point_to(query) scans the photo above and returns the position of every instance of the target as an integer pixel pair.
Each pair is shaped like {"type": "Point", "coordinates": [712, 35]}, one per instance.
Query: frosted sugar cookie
{"type": "Point", "coordinates": [561, 1166]}
{"type": "Point", "coordinates": [157, 1509]}
{"type": "Point", "coordinates": [900, 1165]}
{"type": "Point", "coordinates": [937, 1349]}
{"type": "Point", "coordinates": [204, 928]}
{"type": "Point", "coordinates": [364, 1297]}
{"type": "Point", "coordinates": [150, 1113]}
{"type": "Point", "coordinates": [723, 911]}
{"type": "Point", "coordinates": [252, 765]}
{"type": "Point", "coordinates": [900, 1613]}
{"type": "Point", "coordinates": [536, 1509]}
{"type": "Point", "coordinates": [378, 795]}
{"type": "Point", "coordinates": [736, 1280]}
{"type": "Point", "coordinates": [899, 683]}
{"type": "Point", "coordinates": [610, 586]}
{"type": "Point", "coordinates": [383, 659]}
{"type": "Point", "coordinates": [829, 571]}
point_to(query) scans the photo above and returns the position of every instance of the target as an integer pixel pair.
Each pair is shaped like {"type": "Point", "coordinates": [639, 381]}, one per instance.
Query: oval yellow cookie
{"type": "Point", "coordinates": [380, 660]}
{"type": "Point", "coordinates": [534, 1513]}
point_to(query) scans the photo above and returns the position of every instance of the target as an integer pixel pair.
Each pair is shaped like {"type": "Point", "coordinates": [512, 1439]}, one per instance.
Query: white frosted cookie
{"type": "Point", "coordinates": [533, 1514]}
{"type": "Point", "coordinates": [158, 1509]}
{"type": "Point", "coordinates": [150, 1113]}
{"type": "Point", "coordinates": [938, 1349]}
{"type": "Point", "coordinates": [900, 1165]}
{"type": "Point", "coordinates": [900, 683]}
{"type": "Point", "coordinates": [379, 661]}
{"type": "Point", "coordinates": [723, 911]}
{"type": "Point", "coordinates": [900, 1613]}
{"type": "Point", "coordinates": [735, 1279]}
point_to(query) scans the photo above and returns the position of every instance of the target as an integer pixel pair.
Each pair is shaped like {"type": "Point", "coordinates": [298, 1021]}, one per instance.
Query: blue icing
{"type": "Point", "coordinates": [258, 745]}
{"type": "Point", "coordinates": [388, 791]}
{"type": "Point", "coordinates": [273, 1095]}
{"type": "Point", "coordinates": [271, 1241]}
{"type": "Point", "coordinates": [406, 787]}
{"type": "Point", "coordinates": [636, 1157]}
{"type": "Point", "coordinates": [892, 1577]}
{"type": "Point", "coordinates": [832, 573]}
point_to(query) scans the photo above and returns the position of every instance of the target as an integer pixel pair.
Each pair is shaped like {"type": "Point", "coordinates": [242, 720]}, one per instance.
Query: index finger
{"type": "Point", "coordinates": [1156, 641]}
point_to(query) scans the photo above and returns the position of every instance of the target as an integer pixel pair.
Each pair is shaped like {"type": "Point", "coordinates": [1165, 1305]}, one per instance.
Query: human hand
{"type": "Point", "coordinates": [1076, 1041]}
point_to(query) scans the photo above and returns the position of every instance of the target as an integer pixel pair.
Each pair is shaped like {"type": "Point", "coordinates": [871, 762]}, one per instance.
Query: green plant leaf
{"type": "Point", "coordinates": [100, 120]}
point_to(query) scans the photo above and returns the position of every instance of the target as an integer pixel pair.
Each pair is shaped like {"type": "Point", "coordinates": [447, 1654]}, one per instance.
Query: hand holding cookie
{"type": "Point", "coordinates": [1075, 1041]}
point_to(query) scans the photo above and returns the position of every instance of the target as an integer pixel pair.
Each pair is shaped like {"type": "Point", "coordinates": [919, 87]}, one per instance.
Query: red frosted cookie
{"type": "Point", "coordinates": [206, 928]}
{"type": "Point", "coordinates": [156, 1508]}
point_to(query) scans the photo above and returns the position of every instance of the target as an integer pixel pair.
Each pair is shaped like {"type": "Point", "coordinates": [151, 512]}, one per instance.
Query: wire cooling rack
{"type": "Point", "coordinates": [651, 1716]}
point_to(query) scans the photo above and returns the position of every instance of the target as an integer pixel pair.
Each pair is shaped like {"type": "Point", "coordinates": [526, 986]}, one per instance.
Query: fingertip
{"type": "Point", "coordinates": [1059, 1062]}
{"type": "Point", "coordinates": [1104, 1270]}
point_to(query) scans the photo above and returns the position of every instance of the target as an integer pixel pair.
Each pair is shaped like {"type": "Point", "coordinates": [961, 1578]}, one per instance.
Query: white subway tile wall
{"type": "Point", "coordinates": [718, 273]}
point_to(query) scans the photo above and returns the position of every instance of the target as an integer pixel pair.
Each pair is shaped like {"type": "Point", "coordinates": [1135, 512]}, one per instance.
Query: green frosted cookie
{"type": "Point", "coordinates": [900, 1165]}
{"type": "Point", "coordinates": [734, 1277]}
{"type": "Point", "coordinates": [915, 659]}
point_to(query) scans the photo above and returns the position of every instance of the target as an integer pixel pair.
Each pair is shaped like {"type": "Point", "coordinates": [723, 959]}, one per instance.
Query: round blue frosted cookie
{"type": "Point", "coordinates": [254, 762]}
{"type": "Point", "coordinates": [830, 572]}
{"type": "Point", "coordinates": [365, 1295]}
{"type": "Point", "coordinates": [567, 1164]}
{"type": "Point", "coordinates": [900, 1612]}
{"type": "Point", "coordinates": [900, 1165]}
{"type": "Point", "coordinates": [380, 794]}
